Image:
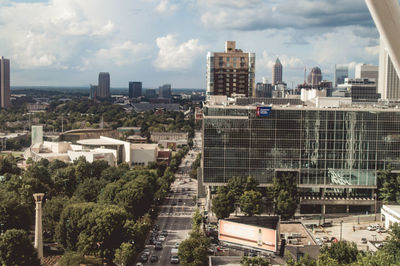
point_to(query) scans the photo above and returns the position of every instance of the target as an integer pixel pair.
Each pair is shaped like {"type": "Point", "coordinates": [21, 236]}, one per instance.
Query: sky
{"type": "Point", "coordinates": [68, 42]}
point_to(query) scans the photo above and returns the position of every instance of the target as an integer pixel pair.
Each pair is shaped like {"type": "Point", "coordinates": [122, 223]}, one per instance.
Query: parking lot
{"type": "Point", "coordinates": [350, 230]}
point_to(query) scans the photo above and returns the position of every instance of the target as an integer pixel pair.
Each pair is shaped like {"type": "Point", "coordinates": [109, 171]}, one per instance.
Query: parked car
{"type": "Point", "coordinates": [364, 240]}
{"type": "Point", "coordinates": [177, 245]}
{"type": "Point", "coordinates": [381, 230]}
{"type": "Point", "coordinates": [371, 228]}
{"type": "Point", "coordinates": [161, 238]}
{"type": "Point", "coordinates": [174, 259]}
{"type": "Point", "coordinates": [164, 233]}
{"type": "Point", "coordinates": [327, 224]}
{"type": "Point", "coordinates": [139, 264]}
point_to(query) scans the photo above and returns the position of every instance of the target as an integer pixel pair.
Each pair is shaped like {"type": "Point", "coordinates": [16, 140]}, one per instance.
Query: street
{"type": "Point", "coordinates": [175, 215]}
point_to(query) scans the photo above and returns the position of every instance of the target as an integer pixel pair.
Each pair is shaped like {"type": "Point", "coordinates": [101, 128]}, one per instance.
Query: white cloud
{"type": "Point", "coordinates": [343, 46]}
{"type": "Point", "coordinates": [121, 53]}
{"type": "Point", "coordinates": [50, 34]}
{"type": "Point", "coordinates": [164, 7]}
{"type": "Point", "coordinates": [174, 56]}
{"type": "Point", "coordinates": [261, 14]}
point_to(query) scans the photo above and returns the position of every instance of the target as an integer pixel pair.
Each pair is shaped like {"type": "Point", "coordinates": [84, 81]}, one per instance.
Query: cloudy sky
{"type": "Point", "coordinates": [67, 42]}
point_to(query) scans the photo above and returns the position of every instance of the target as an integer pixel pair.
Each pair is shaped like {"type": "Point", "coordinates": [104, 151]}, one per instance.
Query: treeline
{"type": "Point", "coordinates": [245, 194]}
{"type": "Point", "coordinates": [89, 208]}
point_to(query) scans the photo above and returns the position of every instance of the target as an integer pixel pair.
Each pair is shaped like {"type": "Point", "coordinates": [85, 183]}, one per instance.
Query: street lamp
{"type": "Point", "coordinates": [341, 222]}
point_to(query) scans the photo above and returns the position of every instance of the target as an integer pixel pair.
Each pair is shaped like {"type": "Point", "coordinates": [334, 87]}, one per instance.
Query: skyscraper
{"type": "Point", "coordinates": [277, 72]}
{"type": "Point", "coordinates": [315, 76]}
{"type": "Point", "coordinates": [93, 91]}
{"type": "Point", "coordinates": [5, 101]}
{"type": "Point", "coordinates": [164, 91]}
{"type": "Point", "coordinates": [389, 81]}
{"type": "Point", "coordinates": [104, 85]}
{"type": "Point", "coordinates": [232, 71]}
{"type": "Point", "coordinates": [341, 72]}
{"type": "Point", "coordinates": [367, 71]}
{"type": "Point", "coordinates": [135, 89]}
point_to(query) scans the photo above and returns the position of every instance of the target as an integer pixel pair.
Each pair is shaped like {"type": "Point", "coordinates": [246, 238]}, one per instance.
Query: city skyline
{"type": "Point", "coordinates": [141, 40]}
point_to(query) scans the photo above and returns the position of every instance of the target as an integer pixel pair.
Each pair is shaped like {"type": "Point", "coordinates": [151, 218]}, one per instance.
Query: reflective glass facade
{"type": "Point", "coordinates": [332, 147]}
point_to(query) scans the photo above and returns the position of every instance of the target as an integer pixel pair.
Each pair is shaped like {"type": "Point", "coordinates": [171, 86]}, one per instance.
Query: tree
{"type": "Point", "coordinates": [392, 246]}
{"type": "Point", "coordinates": [306, 260]}
{"type": "Point", "coordinates": [251, 202]}
{"type": "Point", "coordinates": [8, 164]}
{"type": "Point", "coordinates": [238, 185]}
{"type": "Point", "coordinates": [92, 229]}
{"type": "Point", "coordinates": [14, 213]}
{"type": "Point", "coordinates": [285, 205]}
{"type": "Point", "coordinates": [193, 251]}
{"type": "Point", "coordinates": [125, 255]}
{"type": "Point", "coordinates": [285, 194]}
{"type": "Point", "coordinates": [255, 261]}
{"type": "Point", "coordinates": [52, 210]}
{"type": "Point", "coordinates": [223, 203]}
{"type": "Point", "coordinates": [389, 186]}
{"type": "Point", "coordinates": [89, 189]}
{"type": "Point", "coordinates": [341, 252]}
{"type": "Point", "coordinates": [196, 220]}
{"type": "Point", "coordinates": [77, 259]}
{"type": "Point", "coordinates": [16, 249]}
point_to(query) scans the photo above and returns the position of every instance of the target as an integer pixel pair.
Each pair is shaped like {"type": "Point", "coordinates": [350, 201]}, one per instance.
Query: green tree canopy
{"type": "Point", "coordinates": [223, 203]}
{"type": "Point", "coordinates": [341, 252]}
{"type": "Point", "coordinates": [251, 203]}
{"type": "Point", "coordinates": [16, 249]}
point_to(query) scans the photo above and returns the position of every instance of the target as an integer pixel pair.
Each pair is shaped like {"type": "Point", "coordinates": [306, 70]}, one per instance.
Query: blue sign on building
{"type": "Point", "coordinates": [263, 111]}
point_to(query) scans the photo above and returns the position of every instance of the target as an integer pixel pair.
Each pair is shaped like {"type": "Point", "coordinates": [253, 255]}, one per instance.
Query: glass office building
{"type": "Point", "coordinates": [335, 151]}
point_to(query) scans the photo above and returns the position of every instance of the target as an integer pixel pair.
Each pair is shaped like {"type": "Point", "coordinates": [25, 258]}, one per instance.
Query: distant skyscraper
{"type": "Point", "coordinates": [341, 72]}
{"type": "Point", "coordinates": [367, 71]}
{"type": "Point", "coordinates": [277, 72]}
{"type": "Point", "coordinates": [104, 85]}
{"type": "Point", "coordinates": [150, 93]}
{"type": "Point", "coordinates": [389, 82]}
{"type": "Point", "coordinates": [5, 101]}
{"type": "Point", "coordinates": [93, 91]}
{"type": "Point", "coordinates": [315, 77]}
{"type": "Point", "coordinates": [263, 90]}
{"type": "Point", "coordinates": [232, 71]}
{"type": "Point", "coordinates": [164, 91]}
{"type": "Point", "coordinates": [135, 89]}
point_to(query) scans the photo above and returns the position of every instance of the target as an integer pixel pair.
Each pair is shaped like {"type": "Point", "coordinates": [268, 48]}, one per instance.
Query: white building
{"type": "Point", "coordinates": [390, 214]}
{"type": "Point", "coordinates": [367, 71]}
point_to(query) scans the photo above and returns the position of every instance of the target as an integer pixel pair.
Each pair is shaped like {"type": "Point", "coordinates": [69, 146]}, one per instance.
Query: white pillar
{"type": "Point", "coordinates": [38, 225]}
{"type": "Point", "coordinates": [386, 15]}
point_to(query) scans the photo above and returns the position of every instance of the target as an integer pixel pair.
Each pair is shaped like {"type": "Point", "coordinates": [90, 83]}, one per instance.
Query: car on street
{"type": "Point", "coordinates": [146, 251]}
{"type": "Point", "coordinates": [364, 240]}
{"type": "Point", "coordinates": [177, 245]}
{"type": "Point", "coordinates": [139, 264]}
{"type": "Point", "coordinates": [164, 233]}
{"type": "Point", "coordinates": [158, 246]}
{"type": "Point", "coordinates": [154, 258]}
{"type": "Point", "coordinates": [381, 230]}
{"type": "Point", "coordinates": [144, 258]}
{"type": "Point", "coordinates": [174, 259]}
{"type": "Point", "coordinates": [161, 238]}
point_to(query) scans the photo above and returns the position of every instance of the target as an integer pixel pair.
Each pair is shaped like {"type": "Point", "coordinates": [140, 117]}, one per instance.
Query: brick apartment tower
{"type": "Point", "coordinates": [232, 71]}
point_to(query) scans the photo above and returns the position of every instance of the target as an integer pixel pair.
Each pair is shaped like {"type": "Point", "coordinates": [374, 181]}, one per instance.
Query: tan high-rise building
{"type": "Point", "coordinates": [277, 72]}
{"type": "Point", "coordinates": [5, 94]}
{"type": "Point", "coordinates": [232, 71]}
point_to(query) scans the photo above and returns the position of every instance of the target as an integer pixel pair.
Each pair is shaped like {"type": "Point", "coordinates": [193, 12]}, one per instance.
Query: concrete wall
{"type": "Point", "coordinates": [143, 156]}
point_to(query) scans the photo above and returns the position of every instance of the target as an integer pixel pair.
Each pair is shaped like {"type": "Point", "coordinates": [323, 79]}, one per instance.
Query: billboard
{"type": "Point", "coordinates": [37, 134]}
{"type": "Point", "coordinates": [248, 235]}
{"type": "Point", "coordinates": [263, 111]}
